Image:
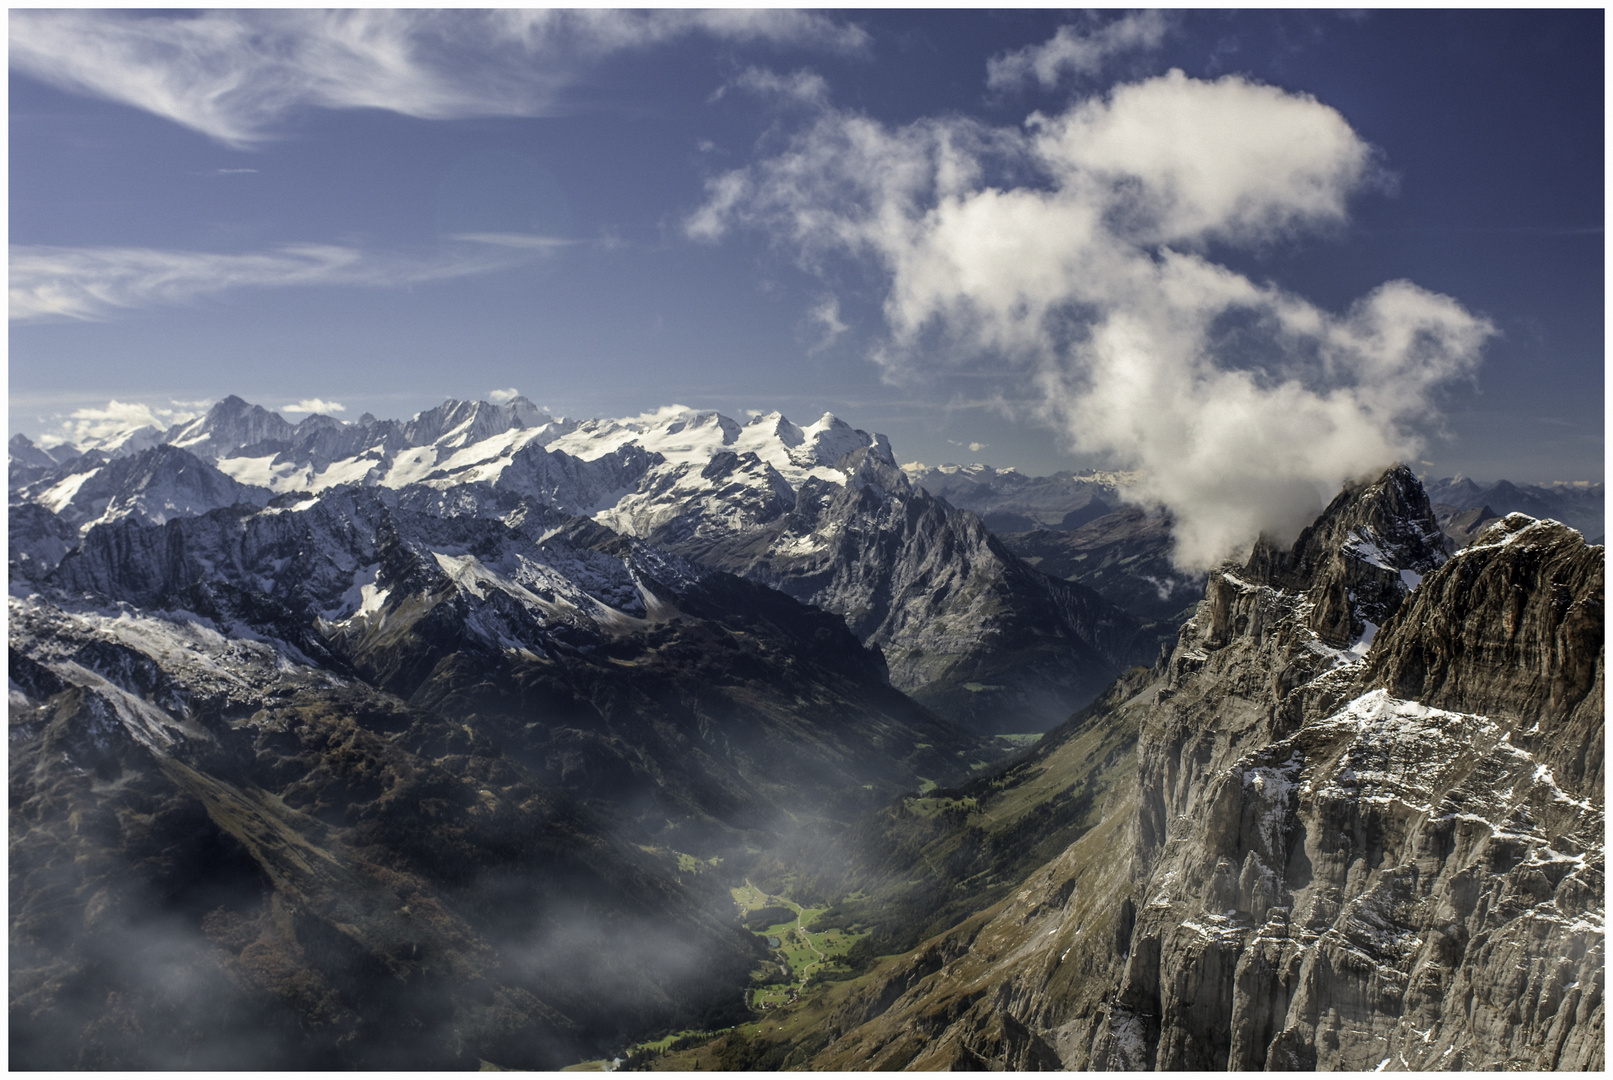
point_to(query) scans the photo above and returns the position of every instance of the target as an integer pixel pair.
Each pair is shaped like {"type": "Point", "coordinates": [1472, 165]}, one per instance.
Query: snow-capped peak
{"type": "Point", "coordinates": [633, 468]}
{"type": "Point", "coordinates": [229, 425]}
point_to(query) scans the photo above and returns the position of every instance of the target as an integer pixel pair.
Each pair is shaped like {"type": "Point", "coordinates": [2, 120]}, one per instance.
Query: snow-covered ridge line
{"type": "Point", "coordinates": [585, 468]}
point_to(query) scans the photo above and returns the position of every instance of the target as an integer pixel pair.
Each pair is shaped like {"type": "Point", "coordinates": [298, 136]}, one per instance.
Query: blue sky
{"type": "Point", "coordinates": [853, 212]}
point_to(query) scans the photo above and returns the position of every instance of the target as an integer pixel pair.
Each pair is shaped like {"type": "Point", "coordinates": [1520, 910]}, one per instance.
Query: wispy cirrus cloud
{"type": "Point", "coordinates": [827, 315]}
{"type": "Point", "coordinates": [804, 87]}
{"type": "Point", "coordinates": [524, 241]}
{"type": "Point", "coordinates": [1077, 52]}
{"type": "Point", "coordinates": [237, 76]}
{"type": "Point", "coordinates": [95, 283]}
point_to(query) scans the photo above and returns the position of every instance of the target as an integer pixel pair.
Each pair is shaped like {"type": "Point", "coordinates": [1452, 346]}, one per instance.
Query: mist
{"type": "Point", "coordinates": [1073, 257]}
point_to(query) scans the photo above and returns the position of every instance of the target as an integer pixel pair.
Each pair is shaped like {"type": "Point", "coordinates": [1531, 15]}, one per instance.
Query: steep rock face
{"type": "Point", "coordinates": [228, 426]}
{"type": "Point", "coordinates": [1336, 873]}
{"type": "Point", "coordinates": [1327, 872]}
{"type": "Point", "coordinates": [1516, 634]}
{"type": "Point", "coordinates": [36, 540]}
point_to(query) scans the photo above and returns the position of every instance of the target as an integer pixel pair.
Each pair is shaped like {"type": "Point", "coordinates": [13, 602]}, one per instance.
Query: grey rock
{"type": "Point", "coordinates": [1341, 857]}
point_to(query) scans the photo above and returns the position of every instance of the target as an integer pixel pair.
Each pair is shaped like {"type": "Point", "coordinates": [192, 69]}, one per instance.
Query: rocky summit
{"type": "Point", "coordinates": [491, 738]}
{"type": "Point", "coordinates": [1326, 850]}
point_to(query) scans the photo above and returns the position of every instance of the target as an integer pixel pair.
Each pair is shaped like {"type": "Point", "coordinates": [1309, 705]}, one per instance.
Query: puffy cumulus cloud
{"type": "Point", "coordinates": [314, 405]}
{"type": "Point", "coordinates": [1179, 160]}
{"type": "Point", "coordinates": [499, 397]}
{"type": "Point", "coordinates": [1070, 254]}
{"type": "Point", "coordinates": [1078, 52]}
{"type": "Point", "coordinates": [94, 283]}
{"type": "Point", "coordinates": [236, 75]}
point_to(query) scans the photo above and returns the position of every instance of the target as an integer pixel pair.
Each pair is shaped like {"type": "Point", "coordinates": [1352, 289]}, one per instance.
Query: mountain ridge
{"type": "Point", "coordinates": [788, 505]}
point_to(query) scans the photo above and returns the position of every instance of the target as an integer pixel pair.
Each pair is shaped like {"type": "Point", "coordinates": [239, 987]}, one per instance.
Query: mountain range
{"type": "Point", "coordinates": [820, 513]}
{"type": "Point", "coordinates": [442, 742]}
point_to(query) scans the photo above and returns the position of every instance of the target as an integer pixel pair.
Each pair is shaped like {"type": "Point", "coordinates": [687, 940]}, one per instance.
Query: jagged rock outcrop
{"type": "Point", "coordinates": [1356, 563]}
{"type": "Point", "coordinates": [1514, 630]}
{"type": "Point", "coordinates": [1341, 856]}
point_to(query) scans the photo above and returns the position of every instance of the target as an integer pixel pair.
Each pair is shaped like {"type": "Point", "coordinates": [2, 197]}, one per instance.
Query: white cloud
{"type": "Point", "coordinates": [236, 75]}
{"type": "Point", "coordinates": [110, 425]}
{"type": "Point", "coordinates": [499, 397]}
{"type": "Point", "coordinates": [1074, 51]}
{"type": "Point", "coordinates": [603, 30]}
{"type": "Point", "coordinates": [804, 87]}
{"type": "Point", "coordinates": [1179, 160]}
{"type": "Point", "coordinates": [529, 241]}
{"type": "Point", "coordinates": [1066, 255]}
{"type": "Point", "coordinates": [93, 283]}
{"type": "Point", "coordinates": [827, 315]}
{"type": "Point", "coordinates": [314, 405]}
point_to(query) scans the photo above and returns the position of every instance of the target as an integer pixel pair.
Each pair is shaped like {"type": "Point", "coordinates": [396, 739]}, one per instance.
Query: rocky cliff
{"type": "Point", "coordinates": [1366, 832]}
